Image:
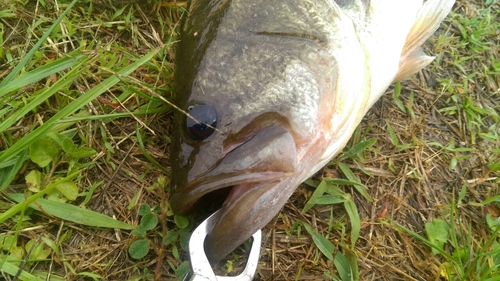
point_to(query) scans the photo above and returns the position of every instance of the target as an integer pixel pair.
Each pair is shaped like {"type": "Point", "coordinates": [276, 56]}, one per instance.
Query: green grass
{"type": "Point", "coordinates": [467, 255]}
{"type": "Point", "coordinates": [48, 99]}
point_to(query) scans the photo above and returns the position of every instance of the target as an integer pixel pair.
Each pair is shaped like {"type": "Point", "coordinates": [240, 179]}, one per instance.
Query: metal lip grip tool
{"type": "Point", "coordinates": [200, 266]}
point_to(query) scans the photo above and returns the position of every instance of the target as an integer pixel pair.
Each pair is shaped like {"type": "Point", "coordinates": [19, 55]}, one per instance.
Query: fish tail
{"type": "Point", "coordinates": [429, 17]}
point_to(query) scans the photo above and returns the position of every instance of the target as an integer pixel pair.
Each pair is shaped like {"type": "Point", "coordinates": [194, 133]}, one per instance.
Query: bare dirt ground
{"type": "Point", "coordinates": [411, 183]}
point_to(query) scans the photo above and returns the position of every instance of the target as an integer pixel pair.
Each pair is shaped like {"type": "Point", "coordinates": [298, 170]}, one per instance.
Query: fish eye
{"type": "Point", "coordinates": [205, 123]}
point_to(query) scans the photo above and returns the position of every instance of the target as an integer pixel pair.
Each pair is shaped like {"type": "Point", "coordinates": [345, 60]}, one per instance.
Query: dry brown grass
{"type": "Point", "coordinates": [410, 186]}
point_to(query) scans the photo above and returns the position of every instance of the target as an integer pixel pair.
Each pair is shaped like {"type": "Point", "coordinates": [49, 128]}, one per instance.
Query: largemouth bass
{"type": "Point", "coordinates": [271, 90]}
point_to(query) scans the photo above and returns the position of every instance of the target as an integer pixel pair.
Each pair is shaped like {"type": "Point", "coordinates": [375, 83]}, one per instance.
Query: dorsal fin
{"type": "Point", "coordinates": [429, 18]}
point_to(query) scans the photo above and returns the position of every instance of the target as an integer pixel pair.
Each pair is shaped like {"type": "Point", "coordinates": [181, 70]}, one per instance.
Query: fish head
{"type": "Point", "coordinates": [255, 115]}
{"type": "Point", "coordinates": [267, 92]}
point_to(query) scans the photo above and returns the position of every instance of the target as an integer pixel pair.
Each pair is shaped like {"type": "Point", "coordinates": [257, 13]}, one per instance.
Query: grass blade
{"type": "Point", "coordinates": [72, 213]}
{"type": "Point", "coordinates": [327, 200]}
{"type": "Point", "coordinates": [352, 211]}
{"type": "Point", "coordinates": [343, 267]}
{"type": "Point", "coordinates": [10, 170]}
{"type": "Point", "coordinates": [323, 244]}
{"type": "Point", "coordinates": [12, 270]}
{"type": "Point", "coordinates": [320, 190]}
{"type": "Point", "coordinates": [358, 148]}
{"type": "Point", "coordinates": [361, 188]}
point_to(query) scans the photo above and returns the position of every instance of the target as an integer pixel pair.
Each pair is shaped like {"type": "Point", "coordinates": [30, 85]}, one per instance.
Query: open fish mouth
{"type": "Point", "coordinates": [263, 175]}
{"type": "Point", "coordinates": [268, 156]}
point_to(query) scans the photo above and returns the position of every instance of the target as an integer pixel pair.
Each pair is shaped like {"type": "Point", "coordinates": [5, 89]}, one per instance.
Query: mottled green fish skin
{"type": "Point", "coordinates": [289, 80]}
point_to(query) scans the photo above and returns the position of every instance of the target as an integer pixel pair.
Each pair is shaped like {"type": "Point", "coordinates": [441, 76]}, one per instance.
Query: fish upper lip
{"type": "Point", "coordinates": [237, 179]}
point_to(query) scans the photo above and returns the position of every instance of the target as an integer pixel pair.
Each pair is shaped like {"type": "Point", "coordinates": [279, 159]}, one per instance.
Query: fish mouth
{"type": "Point", "coordinates": [270, 155]}
{"type": "Point", "coordinates": [254, 181]}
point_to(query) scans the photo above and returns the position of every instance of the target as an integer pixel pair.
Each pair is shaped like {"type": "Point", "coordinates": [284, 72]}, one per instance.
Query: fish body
{"type": "Point", "coordinates": [271, 90]}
